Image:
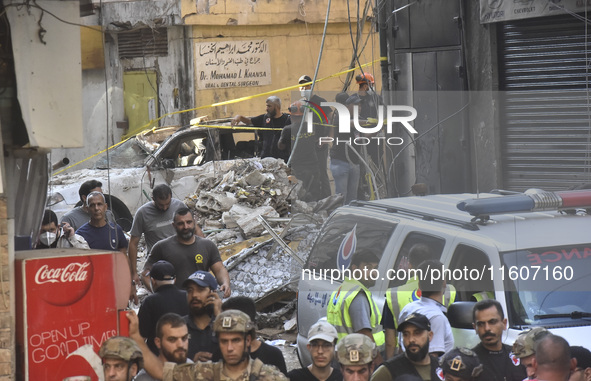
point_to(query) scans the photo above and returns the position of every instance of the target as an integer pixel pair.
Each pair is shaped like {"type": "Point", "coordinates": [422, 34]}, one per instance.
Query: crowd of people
{"type": "Point", "coordinates": [286, 136]}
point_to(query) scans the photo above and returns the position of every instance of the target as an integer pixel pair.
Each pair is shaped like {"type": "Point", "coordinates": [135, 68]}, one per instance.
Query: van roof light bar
{"type": "Point", "coordinates": [533, 200]}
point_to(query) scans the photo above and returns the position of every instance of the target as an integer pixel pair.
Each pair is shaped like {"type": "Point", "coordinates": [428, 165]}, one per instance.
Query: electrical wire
{"type": "Point", "coordinates": [313, 79]}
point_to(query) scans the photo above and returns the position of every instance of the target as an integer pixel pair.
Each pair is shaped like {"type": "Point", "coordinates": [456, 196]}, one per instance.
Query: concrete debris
{"type": "Point", "coordinates": [236, 192]}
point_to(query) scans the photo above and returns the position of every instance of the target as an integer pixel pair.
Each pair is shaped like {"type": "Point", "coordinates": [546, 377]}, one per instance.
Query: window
{"type": "Point", "coordinates": [467, 258]}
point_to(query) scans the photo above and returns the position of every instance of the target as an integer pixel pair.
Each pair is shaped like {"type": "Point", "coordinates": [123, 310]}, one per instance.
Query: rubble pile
{"type": "Point", "coordinates": [268, 274]}
{"type": "Point", "coordinates": [232, 197]}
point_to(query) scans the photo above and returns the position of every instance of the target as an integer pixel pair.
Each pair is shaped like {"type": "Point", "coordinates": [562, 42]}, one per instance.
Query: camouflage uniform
{"type": "Point", "coordinates": [227, 321]}
{"type": "Point", "coordinates": [525, 343]}
{"type": "Point", "coordinates": [356, 349]}
{"type": "Point", "coordinates": [122, 348]}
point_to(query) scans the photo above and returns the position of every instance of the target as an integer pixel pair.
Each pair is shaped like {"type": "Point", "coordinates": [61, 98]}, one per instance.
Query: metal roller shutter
{"type": "Point", "coordinates": [546, 108]}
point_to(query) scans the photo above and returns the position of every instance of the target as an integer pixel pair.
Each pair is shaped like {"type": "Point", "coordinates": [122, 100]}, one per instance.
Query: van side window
{"type": "Point", "coordinates": [433, 245]}
{"type": "Point", "coordinates": [345, 234]}
{"type": "Point", "coordinates": [466, 258]}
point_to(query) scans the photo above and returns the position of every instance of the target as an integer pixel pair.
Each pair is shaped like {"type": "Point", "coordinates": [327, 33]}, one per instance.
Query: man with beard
{"type": "Point", "coordinates": [233, 330]}
{"type": "Point", "coordinates": [204, 305]}
{"type": "Point", "coordinates": [500, 364]}
{"type": "Point", "coordinates": [166, 298]}
{"type": "Point", "coordinates": [273, 121]}
{"type": "Point", "coordinates": [431, 305]}
{"type": "Point", "coordinates": [416, 335]}
{"type": "Point", "coordinates": [351, 308]}
{"type": "Point", "coordinates": [172, 340]}
{"type": "Point", "coordinates": [189, 253]}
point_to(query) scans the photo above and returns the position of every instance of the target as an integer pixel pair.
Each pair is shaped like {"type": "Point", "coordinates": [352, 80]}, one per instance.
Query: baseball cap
{"type": "Point", "coordinates": [305, 79]}
{"type": "Point", "coordinates": [323, 330]}
{"type": "Point", "coordinates": [162, 270]}
{"type": "Point", "coordinates": [525, 343]}
{"type": "Point", "coordinates": [416, 319]}
{"type": "Point", "coordinates": [203, 279]}
{"type": "Point", "coordinates": [583, 356]}
{"type": "Point", "coordinates": [462, 363]}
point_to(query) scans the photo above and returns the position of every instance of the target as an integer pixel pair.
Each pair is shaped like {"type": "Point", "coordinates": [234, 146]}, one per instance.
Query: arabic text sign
{"type": "Point", "coordinates": [232, 64]}
{"type": "Point", "coordinates": [503, 10]}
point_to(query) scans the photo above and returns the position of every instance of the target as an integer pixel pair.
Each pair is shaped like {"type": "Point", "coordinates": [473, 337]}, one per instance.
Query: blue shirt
{"type": "Point", "coordinates": [108, 237]}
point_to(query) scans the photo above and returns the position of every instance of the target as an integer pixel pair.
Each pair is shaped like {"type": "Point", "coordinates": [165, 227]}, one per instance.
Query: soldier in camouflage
{"type": "Point", "coordinates": [355, 353]}
{"type": "Point", "coordinates": [524, 348]}
{"type": "Point", "coordinates": [233, 329]}
{"type": "Point", "coordinates": [122, 359]}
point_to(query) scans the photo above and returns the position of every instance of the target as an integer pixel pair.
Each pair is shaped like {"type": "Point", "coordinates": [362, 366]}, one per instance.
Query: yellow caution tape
{"type": "Point", "coordinates": [146, 126]}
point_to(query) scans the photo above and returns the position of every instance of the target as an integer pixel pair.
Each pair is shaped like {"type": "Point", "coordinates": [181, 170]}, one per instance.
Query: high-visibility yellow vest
{"type": "Point", "coordinates": [398, 297]}
{"type": "Point", "coordinates": [483, 295]}
{"type": "Point", "coordinates": [337, 312]}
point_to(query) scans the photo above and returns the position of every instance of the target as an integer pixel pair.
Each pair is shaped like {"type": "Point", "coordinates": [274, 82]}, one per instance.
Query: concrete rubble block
{"type": "Point", "coordinates": [255, 178]}
{"type": "Point", "coordinates": [216, 203]}
{"type": "Point", "coordinates": [250, 226]}
{"type": "Point", "coordinates": [228, 220]}
{"type": "Point", "coordinates": [210, 224]}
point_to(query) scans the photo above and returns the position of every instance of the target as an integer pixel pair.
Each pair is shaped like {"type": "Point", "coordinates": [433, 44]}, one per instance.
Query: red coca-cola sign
{"type": "Point", "coordinates": [62, 283]}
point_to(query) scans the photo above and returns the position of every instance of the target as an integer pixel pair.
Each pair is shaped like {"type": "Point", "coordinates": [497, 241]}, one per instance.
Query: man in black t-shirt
{"type": "Point", "coordinates": [500, 364]}
{"type": "Point", "coordinates": [274, 120]}
{"type": "Point", "coordinates": [322, 338]}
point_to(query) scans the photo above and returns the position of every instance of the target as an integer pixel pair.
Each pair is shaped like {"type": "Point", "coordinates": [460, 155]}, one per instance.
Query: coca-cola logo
{"type": "Point", "coordinates": [74, 272]}
{"type": "Point", "coordinates": [64, 282]}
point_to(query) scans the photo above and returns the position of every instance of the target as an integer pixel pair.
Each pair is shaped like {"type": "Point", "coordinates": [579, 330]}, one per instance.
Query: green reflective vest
{"type": "Point", "coordinates": [337, 312]}
{"type": "Point", "coordinates": [398, 297]}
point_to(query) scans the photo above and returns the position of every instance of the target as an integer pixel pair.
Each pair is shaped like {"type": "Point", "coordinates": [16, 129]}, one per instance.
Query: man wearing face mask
{"type": "Point", "coordinates": [273, 120]}
{"type": "Point", "coordinates": [370, 100]}
{"type": "Point", "coordinates": [166, 298]}
{"type": "Point", "coordinates": [320, 130]}
{"type": "Point", "coordinates": [52, 235]}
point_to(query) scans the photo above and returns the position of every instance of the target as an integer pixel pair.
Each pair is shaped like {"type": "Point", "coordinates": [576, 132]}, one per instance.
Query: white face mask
{"type": "Point", "coordinates": [371, 91]}
{"type": "Point", "coordinates": [47, 238]}
{"type": "Point", "coordinates": [306, 93]}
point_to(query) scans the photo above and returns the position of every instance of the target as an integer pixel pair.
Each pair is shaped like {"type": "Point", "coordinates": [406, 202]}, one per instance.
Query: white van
{"type": "Point", "coordinates": [531, 250]}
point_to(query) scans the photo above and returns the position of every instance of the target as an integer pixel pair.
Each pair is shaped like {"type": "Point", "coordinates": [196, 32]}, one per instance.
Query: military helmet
{"type": "Point", "coordinates": [233, 321]}
{"type": "Point", "coordinates": [356, 349]}
{"type": "Point", "coordinates": [462, 363]}
{"type": "Point", "coordinates": [525, 343]}
{"type": "Point", "coordinates": [122, 348]}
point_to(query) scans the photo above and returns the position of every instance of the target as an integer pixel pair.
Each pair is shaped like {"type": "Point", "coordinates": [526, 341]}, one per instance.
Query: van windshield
{"type": "Point", "coordinates": [548, 286]}
{"type": "Point", "coordinates": [343, 237]}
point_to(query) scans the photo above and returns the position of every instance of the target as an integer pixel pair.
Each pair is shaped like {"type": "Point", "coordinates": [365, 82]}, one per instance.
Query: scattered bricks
{"type": "Point", "coordinates": [255, 178]}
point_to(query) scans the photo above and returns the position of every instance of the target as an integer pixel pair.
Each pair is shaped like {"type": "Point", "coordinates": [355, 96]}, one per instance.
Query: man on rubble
{"type": "Point", "coordinates": [122, 359]}
{"type": "Point", "coordinates": [320, 129]}
{"type": "Point", "coordinates": [154, 221]}
{"type": "Point", "coordinates": [172, 340]}
{"type": "Point", "coordinates": [233, 330]}
{"type": "Point", "coordinates": [305, 162]}
{"type": "Point", "coordinates": [189, 253]}
{"type": "Point", "coordinates": [351, 308]}
{"type": "Point", "coordinates": [80, 214]}
{"type": "Point", "coordinates": [273, 121]}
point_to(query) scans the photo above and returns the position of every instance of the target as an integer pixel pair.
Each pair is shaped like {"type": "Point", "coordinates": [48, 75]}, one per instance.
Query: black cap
{"type": "Point", "coordinates": [305, 79]}
{"type": "Point", "coordinates": [416, 319]}
{"type": "Point", "coordinates": [162, 270]}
